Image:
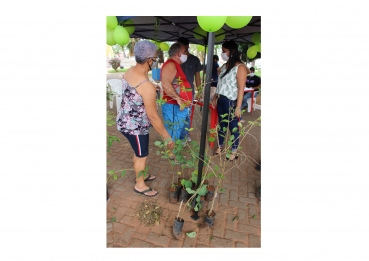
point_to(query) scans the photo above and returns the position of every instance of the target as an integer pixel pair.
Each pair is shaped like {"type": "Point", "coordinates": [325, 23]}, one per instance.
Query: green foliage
{"type": "Point", "coordinates": [191, 234]}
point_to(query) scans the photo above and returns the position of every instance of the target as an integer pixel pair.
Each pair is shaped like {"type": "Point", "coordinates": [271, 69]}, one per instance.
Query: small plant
{"type": "Point", "coordinates": [149, 213]}
{"type": "Point", "coordinates": [109, 93]}
{"type": "Point", "coordinates": [115, 63]}
{"type": "Point", "coordinates": [113, 219]}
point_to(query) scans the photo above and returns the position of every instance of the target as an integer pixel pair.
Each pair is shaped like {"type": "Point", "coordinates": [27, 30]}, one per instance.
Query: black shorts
{"type": "Point", "coordinates": [139, 143]}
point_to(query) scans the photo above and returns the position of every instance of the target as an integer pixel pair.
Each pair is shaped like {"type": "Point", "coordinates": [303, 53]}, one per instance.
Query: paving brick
{"type": "Point", "coordinates": [223, 201]}
{"type": "Point", "coordinates": [233, 195]}
{"type": "Point", "coordinates": [112, 206]}
{"type": "Point", "coordinates": [203, 236]}
{"type": "Point", "coordinates": [119, 227]}
{"type": "Point", "coordinates": [247, 229]}
{"type": "Point", "coordinates": [220, 242]}
{"type": "Point", "coordinates": [139, 236]}
{"type": "Point", "coordinates": [235, 236]}
{"type": "Point", "coordinates": [248, 200]}
{"type": "Point", "coordinates": [140, 243]}
{"type": "Point", "coordinates": [163, 183]}
{"type": "Point", "coordinates": [229, 223]}
{"type": "Point", "coordinates": [243, 216]}
{"type": "Point", "coordinates": [224, 195]}
{"type": "Point", "coordinates": [220, 215]}
{"type": "Point", "coordinates": [228, 209]}
{"type": "Point", "coordinates": [229, 186]}
{"type": "Point", "coordinates": [252, 210]}
{"type": "Point", "coordinates": [251, 187]}
{"type": "Point", "coordinates": [235, 175]}
{"type": "Point", "coordinates": [255, 222]}
{"type": "Point", "coordinates": [109, 227]}
{"type": "Point", "coordinates": [239, 244]}
{"type": "Point", "coordinates": [176, 243]}
{"type": "Point", "coordinates": [115, 195]}
{"type": "Point", "coordinates": [124, 238]}
{"type": "Point", "coordinates": [157, 229]}
{"type": "Point", "coordinates": [201, 246]}
{"type": "Point", "coordinates": [254, 241]}
{"type": "Point", "coordinates": [252, 195]}
{"type": "Point", "coordinates": [189, 242]}
{"type": "Point", "coordinates": [237, 204]}
{"type": "Point", "coordinates": [109, 238]}
{"type": "Point", "coordinates": [158, 240]}
{"type": "Point", "coordinates": [218, 228]}
{"type": "Point", "coordinates": [242, 191]}
{"type": "Point", "coordinates": [143, 230]}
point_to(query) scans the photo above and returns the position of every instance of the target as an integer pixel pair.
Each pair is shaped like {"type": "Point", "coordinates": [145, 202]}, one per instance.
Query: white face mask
{"type": "Point", "coordinates": [154, 64]}
{"type": "Point", "coordinates": [252, 74]}
{"type": "Point", "coordinates": [224, 56]}
{"type": "Point", "coordinates": [183, 58]}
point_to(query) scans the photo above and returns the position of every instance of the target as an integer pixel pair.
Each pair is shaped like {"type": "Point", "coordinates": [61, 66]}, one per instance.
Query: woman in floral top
{"type": "Point", "coordinates": [229, 94]}
{"type": "Point", "coordinates": [138, 112]}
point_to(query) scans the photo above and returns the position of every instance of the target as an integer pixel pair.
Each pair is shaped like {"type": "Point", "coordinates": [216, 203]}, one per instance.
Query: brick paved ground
{"type": "Point", "coordinates": [238, 199]}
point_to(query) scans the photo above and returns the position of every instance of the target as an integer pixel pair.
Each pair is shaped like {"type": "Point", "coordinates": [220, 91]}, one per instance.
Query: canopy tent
{"type": "Point", "coordinates": [170, 28]}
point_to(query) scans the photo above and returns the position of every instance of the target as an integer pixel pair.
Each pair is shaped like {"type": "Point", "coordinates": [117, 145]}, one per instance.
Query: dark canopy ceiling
{"type": "Point", "coordinates": [170, 28]}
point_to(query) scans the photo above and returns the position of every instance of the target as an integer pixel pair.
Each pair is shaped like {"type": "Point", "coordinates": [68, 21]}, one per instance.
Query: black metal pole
{"type": "Point", "coordinates": [205, 112]}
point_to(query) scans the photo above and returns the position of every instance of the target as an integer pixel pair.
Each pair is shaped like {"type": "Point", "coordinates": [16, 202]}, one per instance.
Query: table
{"type": "Point", "coordinates": [247, 89]}
{"type": "Point", "coordinates": [213, 117]}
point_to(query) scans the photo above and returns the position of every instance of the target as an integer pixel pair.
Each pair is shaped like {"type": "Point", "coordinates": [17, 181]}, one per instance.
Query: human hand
{"type": "Point", "coordinates": [214, 102]}
{"type": "Point", "coordinates": [170, 145]}
{"type": "Point", "coordinates": [238, 112]}
{"type": "Point", "coordinates": [181, 104]}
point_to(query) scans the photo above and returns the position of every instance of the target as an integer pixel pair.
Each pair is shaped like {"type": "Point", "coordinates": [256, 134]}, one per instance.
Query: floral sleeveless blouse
{"type": "Point", "coordinates": [227, 85]}
{"type": "Point", "coordinates": [132, 118]}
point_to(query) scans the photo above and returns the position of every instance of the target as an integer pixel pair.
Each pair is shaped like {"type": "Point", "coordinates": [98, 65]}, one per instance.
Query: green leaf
{"type": "Point", "coordinates": [228, 155]}
{"type": "Point", "coordinates": [232, 137]}
{"type": "Point", "coordinates": [211, 139]}
{"type": "Point", "coordinates": [190, 191]}
{"type": "Point", "coordinates": [239, 124]}
{"type": "Point", "coordinates": [230, 143]}
{"type": "Point", "coordinates": [123, 173]}
{"type": "Point", "coordinates": [115, 176]}
{"type": "Point", "coordinates": [191, 129]}
{"type": "Point", "coordinates": [188, 184]}
{"type": "Point", "coordinates": [111, 172]}
{"type": "Point", "coordinates": [234, 129]}
{"type": "Point", "coordinates": [196, 208]}
{"type": "Point", "coordinates": [157, 143]}
{"type": "Point", "coordinates": [203, 190]}
{"type": "Point", "coordinates": [191, 234]}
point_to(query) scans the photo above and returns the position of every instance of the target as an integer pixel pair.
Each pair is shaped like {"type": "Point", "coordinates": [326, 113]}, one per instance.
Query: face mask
{"type": "Point", "coordinates": [224, 56]}
{"type": "Point", "coordinates": [153, 65]}
{"type": "Point", "coordinates": [183, 58]}
{"type": "Point", "coordinates": [252, 74]}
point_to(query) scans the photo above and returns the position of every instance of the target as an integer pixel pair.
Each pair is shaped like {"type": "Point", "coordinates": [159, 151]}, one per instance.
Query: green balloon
{"type": "Point", "coordinates": [121, 35]}
{"type": "Point", "coordinates": [199, 30]}
{"type": "Point", "coordinates": [111, 22]}
{"type": "Point", "coordinates": [211, 23]}
{"type": "Point", "coordinates": [200, 48]}
{"type": "Point", "coordinates": [110, 37]}
{"type": "Point", "coordinates": [237, 22]}
{"type": "Point", "coordinates": [256, 38]}
{"type": "Point", "coordinates": [259, 47]}
{"type": "Point", "coordinates": [252, 52]}
{"type": "Point", "coordinates": [220, 37]}
{"type": "Point", "coordinates": [164, 46]}
{"type": "Point", "coordinates": [130, 29]}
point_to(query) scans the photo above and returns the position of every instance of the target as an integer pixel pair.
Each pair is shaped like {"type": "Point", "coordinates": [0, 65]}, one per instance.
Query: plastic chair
{"type": "Point", "coordinates": [116, 86]}
{"type": "Point", "coordinates": [249, 103]}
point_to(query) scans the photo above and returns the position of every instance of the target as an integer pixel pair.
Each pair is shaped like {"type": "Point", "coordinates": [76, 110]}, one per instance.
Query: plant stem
{"type": "Point", "coordinates": [179, 209]}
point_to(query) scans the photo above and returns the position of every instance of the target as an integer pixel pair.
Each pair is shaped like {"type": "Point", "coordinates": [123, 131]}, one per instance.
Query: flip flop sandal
{"type": "Point", "coordinates": [228, 159]}
{"type": "Point", "coordinates": [145, 191]}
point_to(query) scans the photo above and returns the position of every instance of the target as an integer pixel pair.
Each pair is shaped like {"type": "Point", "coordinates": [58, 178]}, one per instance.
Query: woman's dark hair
{"type": "Point", "coordinates": [234, 56]}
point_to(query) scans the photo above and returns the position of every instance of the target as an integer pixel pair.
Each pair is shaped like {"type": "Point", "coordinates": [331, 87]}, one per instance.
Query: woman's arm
{"type": "Point", "coordinates": [148, 93]}
{"type": "Point", "coordinates": [241, 79]}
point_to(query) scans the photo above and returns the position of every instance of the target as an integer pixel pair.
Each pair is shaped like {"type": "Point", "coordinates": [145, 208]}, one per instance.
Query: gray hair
{"type": "Point", "coordinates": [175, 48]}
{"type": "Point", "coordinates": [144, 50]}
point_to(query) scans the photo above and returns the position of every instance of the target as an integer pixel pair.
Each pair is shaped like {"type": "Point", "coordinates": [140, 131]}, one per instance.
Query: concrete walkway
{"type": "Point", "coordinates": [238, 212]}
